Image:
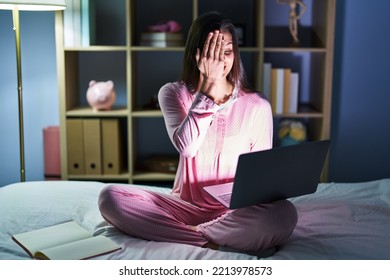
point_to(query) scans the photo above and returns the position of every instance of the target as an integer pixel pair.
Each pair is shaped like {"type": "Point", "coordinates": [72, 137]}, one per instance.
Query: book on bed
{"type": "Point", "coordinates": [66, 241]}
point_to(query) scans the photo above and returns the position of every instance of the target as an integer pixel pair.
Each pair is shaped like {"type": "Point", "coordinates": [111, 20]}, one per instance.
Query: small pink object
{"type": "Point", "coordinates": [101, 95]}
{"type": "Point", "coordinates": [51, 144]}
{"type": "Point", "coordinates": [166, 26]}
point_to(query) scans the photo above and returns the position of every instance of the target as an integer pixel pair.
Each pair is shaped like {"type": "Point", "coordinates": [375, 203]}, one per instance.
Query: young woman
{"type": "Point", "coordinates": [212, 116]}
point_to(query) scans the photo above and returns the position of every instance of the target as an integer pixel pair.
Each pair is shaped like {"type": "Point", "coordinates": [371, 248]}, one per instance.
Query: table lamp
{"type": "Point", "coordinates": [16, 6]}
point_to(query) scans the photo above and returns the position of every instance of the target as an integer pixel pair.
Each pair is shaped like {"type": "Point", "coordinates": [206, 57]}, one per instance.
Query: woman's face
{"type": "Point", "coordinates": [229, 53]}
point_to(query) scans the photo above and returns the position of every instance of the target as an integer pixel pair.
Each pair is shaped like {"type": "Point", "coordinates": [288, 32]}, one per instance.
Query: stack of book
{"type": "Point", "coordinates": [162, 39]}
{"type": "Point", "coordinates": [79, 23]}
{"type": "Point", "coordinates": [280, 86]}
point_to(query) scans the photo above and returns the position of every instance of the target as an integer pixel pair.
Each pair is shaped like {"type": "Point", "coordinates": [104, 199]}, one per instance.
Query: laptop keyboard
{"type": "Point", "coordinates": [226, 197]}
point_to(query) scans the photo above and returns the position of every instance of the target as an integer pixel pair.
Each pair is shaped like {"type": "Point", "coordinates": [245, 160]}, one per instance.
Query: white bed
{"type": "Point", "coordinates": [339, 221]}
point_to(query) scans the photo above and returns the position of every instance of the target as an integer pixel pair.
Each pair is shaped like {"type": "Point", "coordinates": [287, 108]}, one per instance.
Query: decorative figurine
{"type": "Point", "coordinates": [297, 9]}
{"type": "Point", "coordinates": [291, 132]}
{"type": "Point", "coordinates": [171, 26]}
{"type": "Point", "coordinates": [101, 95]}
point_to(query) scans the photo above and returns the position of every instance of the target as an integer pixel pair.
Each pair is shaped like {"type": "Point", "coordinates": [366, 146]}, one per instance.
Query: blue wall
{"type": "Point", "coordinates": [360, 117]}
{"type": "Point", "coordinates": [361, 92]}
{"type": "Point", "coordinates": [40, 98]}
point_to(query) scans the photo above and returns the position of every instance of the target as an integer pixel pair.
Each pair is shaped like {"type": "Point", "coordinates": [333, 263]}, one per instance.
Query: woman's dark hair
{"type": "Point", "coordinates": [201, 27]}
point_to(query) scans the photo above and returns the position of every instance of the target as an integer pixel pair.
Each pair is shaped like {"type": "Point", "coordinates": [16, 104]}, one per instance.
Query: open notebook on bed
{"type": "Point", "coordinates": [274, 174]}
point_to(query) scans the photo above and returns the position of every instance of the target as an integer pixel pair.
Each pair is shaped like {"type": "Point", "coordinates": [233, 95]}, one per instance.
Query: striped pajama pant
{"type": "Point", "coordinates": [164, 217]}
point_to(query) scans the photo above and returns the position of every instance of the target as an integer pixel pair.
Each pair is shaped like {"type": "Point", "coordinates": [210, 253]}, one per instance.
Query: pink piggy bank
{"type": "Point", "coordinates": [101, 95]}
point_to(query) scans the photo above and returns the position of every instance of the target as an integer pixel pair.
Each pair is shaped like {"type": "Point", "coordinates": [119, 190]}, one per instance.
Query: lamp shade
{"type": "Point", "coordinates": [33, 5]}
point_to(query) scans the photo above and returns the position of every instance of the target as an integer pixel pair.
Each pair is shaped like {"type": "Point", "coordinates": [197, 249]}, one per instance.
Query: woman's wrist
{"type": "Point", "coordinates": [212, 89]}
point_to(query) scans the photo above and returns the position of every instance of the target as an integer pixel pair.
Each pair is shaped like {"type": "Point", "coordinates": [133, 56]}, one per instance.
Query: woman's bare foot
{"type": "Point", "coordinates": [211, 245]}
{"type": "Point", "coordinates": [194, 228]}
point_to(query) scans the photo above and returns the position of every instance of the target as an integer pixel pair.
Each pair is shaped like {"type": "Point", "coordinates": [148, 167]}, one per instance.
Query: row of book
{"type": "Point", "coordinates": [79, 23]}
{"type": "Point", "coordinates": [280, 86]}
{"type": "Point", "coordinates": [162, 39]}
{"type": "Point", "coordinates": [94, 146]}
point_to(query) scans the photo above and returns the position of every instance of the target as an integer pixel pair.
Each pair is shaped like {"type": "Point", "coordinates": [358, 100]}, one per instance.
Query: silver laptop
{"type": "Point", "coordinates": [275, 174]}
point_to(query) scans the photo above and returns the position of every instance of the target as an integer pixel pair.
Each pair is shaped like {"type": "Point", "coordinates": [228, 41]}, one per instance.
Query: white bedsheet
{"type": "Point", "coordinates": [339, 221]}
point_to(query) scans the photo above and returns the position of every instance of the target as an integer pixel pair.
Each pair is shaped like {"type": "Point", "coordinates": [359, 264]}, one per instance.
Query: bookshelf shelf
{"type": "Point", "coordinates": [153, 176]}
{"type": "Point", "coordinates": [153, 49]}
{"type": "Point", "coordinates": [139, 71]}
{"type": "Point", "coordinates": [292, 50]}
{"type": "Point", "coordinates": [87, 112]}
{"type": "Point", "coordinates": [147, 113]}
{"type": "Point", "coordinates": [118, 177]}
{"type": "Point", "coordinates": [299, 115]}
{"type": "Point", "coordinates": [97, 49]}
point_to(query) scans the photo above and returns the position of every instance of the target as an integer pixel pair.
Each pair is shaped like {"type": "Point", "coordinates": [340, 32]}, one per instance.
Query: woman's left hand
{"type": "Point", "coordinates": [211, 60]}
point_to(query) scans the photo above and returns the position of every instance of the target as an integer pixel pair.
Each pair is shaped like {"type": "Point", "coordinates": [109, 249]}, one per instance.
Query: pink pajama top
{"type": "Point", "coordinates": [210, 137]}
